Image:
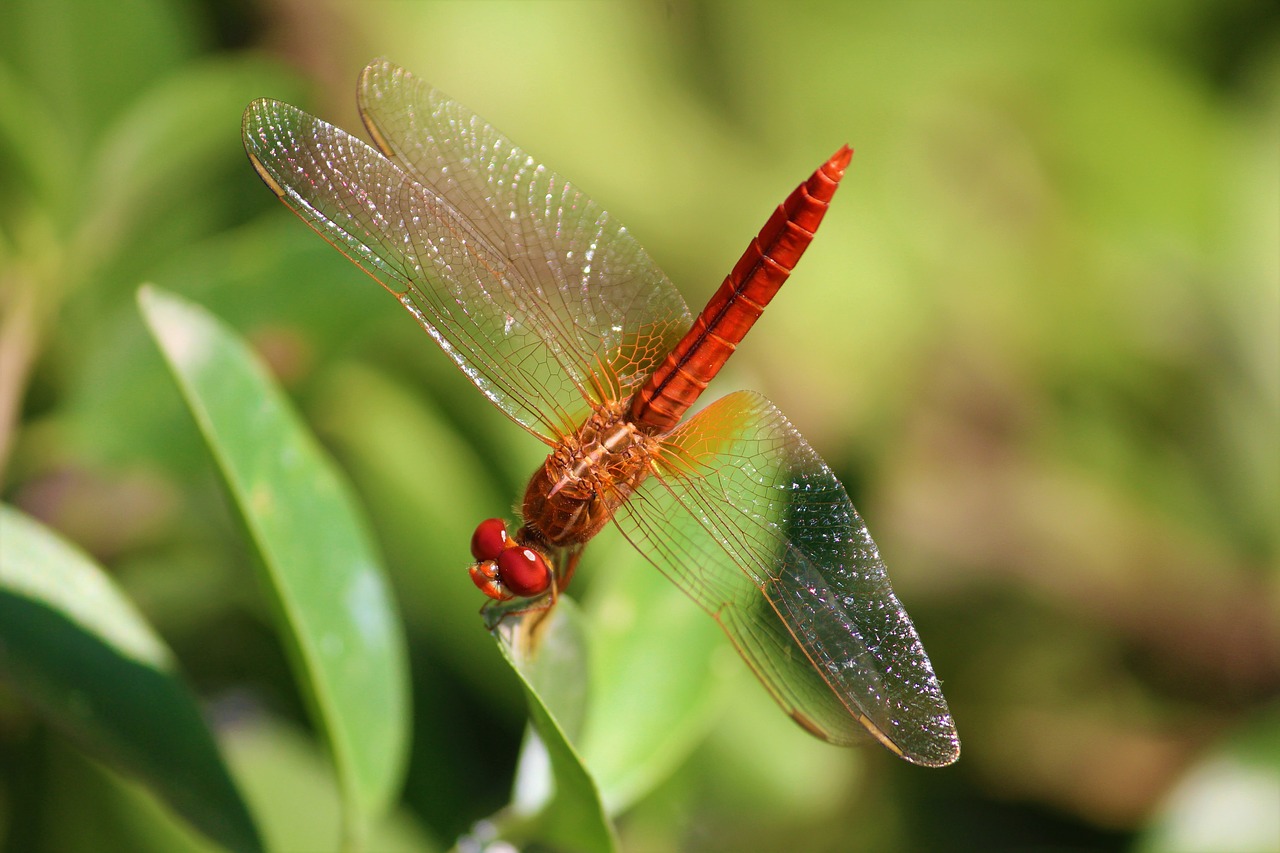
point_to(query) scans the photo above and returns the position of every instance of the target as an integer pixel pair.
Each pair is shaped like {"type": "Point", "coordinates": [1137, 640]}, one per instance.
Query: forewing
{"type": "Point", "coordinates": [613, 314]}
{"type": "Point", "coordinates": [744, 516]}
{"type": "Point", "coordinates": [464, 290]}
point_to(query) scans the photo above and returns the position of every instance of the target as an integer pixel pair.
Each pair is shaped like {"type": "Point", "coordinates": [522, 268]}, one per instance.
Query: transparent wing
{"type": "Point", "coordinates": [599, 296]}
{"type": "Point", "coordinates": [744, 516]}
{"type": "Point", "coordinates": [541, 298]}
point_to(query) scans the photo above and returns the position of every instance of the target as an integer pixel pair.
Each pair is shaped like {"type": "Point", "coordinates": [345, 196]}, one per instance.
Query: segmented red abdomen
{"type": "Point", "coordinates": [660, 404]}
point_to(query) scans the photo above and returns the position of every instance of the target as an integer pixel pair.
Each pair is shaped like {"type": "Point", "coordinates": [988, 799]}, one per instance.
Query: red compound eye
{"type": "Point", "coordinates": [489, 540]}
{"type": "Point", "coordinates": [523, 572]}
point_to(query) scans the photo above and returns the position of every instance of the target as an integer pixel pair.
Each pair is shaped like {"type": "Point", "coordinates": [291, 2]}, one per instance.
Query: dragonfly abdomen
{"type": "Point", "coordinates": [763, 268]}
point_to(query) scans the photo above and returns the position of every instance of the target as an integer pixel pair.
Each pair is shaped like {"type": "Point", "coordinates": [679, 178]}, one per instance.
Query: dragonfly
{"type": "Point", "coordinates": [560, 318]}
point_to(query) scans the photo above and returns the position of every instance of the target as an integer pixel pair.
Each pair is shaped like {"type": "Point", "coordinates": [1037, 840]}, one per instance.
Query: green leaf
{"type": "Point", "coordinates": [563, 807]}
{"type": "Point", "coordinates": [654, 688]}
{"type": "Point", "coordinates": [334, 607]}
{"type": "Point", "coordinates": [73, 645]}
{"type": "Point", "coordinates": [393, 442]}
{"type": "Point", "coordinates": [295, 799]}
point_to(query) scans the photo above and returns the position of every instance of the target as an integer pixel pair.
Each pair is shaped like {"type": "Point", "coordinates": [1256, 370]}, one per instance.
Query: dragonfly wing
{"type": "Point", "coordinates": [465, 291]}
{"type": "Point", "coordinates": [744, 516]}
{"type": "Point", "coordinates": [611, 313]}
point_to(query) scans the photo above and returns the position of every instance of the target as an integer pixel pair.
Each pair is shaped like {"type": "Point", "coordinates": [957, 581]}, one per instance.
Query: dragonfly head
{"type": "Point", "coordinates": [505, 569]}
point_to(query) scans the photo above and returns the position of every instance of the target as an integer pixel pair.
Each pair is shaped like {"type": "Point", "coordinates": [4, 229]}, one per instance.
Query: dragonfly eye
{"type": "Point", "coordinates": [490, 539]}
{"type": "Point", "coordinates": [523, 572]}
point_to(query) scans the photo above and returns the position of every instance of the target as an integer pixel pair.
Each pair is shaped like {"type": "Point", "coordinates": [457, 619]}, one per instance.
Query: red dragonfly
{"type": "Point", "coordinates": [550, 306]}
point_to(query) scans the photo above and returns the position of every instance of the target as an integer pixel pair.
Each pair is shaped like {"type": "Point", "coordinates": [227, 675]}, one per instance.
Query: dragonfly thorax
{"type": "Point", "coordinates": [586, 477]}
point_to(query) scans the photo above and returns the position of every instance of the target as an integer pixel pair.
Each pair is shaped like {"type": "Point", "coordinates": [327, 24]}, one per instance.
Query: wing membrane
{"type": "Point", "coordinates": [743, 515]}
{"type": "Point", "coordinates": [613, 314]}
{"type": "Point", "coordinates": [544, 300]}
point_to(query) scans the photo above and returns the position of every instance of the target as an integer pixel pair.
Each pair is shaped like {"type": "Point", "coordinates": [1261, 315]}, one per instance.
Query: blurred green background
{"type": "Point", "coordinates": [1038, 338]}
